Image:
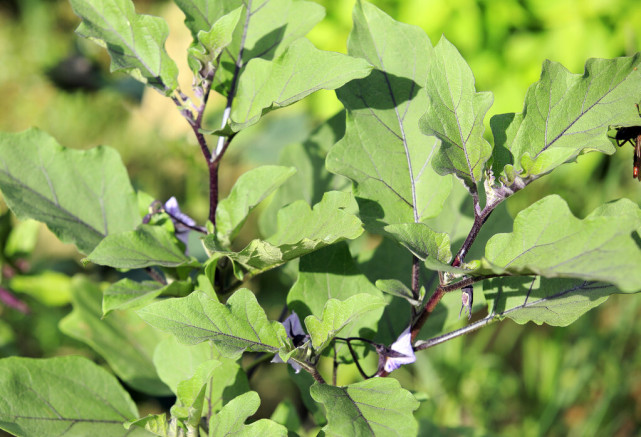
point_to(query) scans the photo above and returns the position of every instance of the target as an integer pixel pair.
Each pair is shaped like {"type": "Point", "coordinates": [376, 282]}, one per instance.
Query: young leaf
{"type": "Point", "coordinates": [62, 396]}
{"type": "Point", "coordinates": [135, 42]}
{"type": "Point", "coordinates": [122, 339]}
{"type": "Point", "coordinates": [383, 151]}
{"type": "Point", "coordinates": [565, 114]}
{"type": "Point", "coordinates": [248, 191]}
{"type": "Point", "coordinates": [145, 247]}
{"type": "Point", "coordinates": [200, 15]}
{"type": "Point", "coordinates": [338, 314]}
{"type": "Point", "coordinates": [423, 242]}
{"type": "Point", "coordinates": [556, 302]}
{"type": "Point", "coordinates": [455, 116]}
{"type": "Point", "coordinates": [377, 406]}
{"type": "Point", "coordinates": [82, 196]}
{"type": "Point", "coordinates": [231, 419]}
{"type": "Point", "coordinates": [239, 325]}
{"type": "Point", "coordinates": [190, 394]}
{"type": "Point", "coordinates": [127, 294]}
{"type": "Point", "coordinates": [301, 70]}
{"type": "Point", "coordinates": [548, 240]}
{"type": "Point", "coordinates": [301, 230]}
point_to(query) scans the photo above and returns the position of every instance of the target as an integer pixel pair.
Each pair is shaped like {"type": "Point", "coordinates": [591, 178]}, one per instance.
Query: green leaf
{"type": "Point", "coordinates": [287, 415]}
{"type": "Point", "coordinates": [128, 294]}
{"type": "Point", "coordinates": [62, 396]}
{"type": "Point", "coordinates": [338, 314]}
{"type": "Point", "coordinates": [377, 406]}
{"type": "Point", "coordinates": [122, 339]}
{"type": "Point", "coordinates": [82, 196]}
{"type": "Point", "coordinates": [423, 242]}
{"type": "Point", "coordinates": [190, 394]}
{"type": "Point", "coordinates": [145, 247]}
{"type": "Point", "coordinates": [301, 70]}
{"type": "Point", "coordinates": [383, 151]}
{"type": "Point", "coordinates": [208, 45]}
{"type": "Point", "coordinates": [248, 191]}
{"type": "Point", "coordinates": [397, 288]}
{"type": "Point", "coordinates": [549, 241]}
{"type": "Point", "coordinates": [200, 15]}
{"type": "Point", "coordinates": [566, 114]}
{"type": "Point", "coordinates": [49, 287]}
{"type": "Point", "coordinates": [455, 116]}
{"type": "Point", "coordinates": [556, 302]}
{"type": "Point", "coordinates": [154, 423]}
{"type": "Point", "coordinates": [135, 42]}
{"type": "Point", "coordinates": [239, 325]}
{"type": "Point", "coordinates": [301, 230]}
{"type": "Point", "coordinates": [22, 239]}
{"type": "Point", "coordinates": [231, 419]}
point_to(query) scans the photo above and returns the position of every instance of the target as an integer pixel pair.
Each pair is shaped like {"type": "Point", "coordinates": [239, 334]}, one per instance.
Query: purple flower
{"type": "Point", "coordinates": [401, 352]}
{"type": "Point", "coordinates": [294, 331]}
{"type": "Point", "coordinates": [182, 222]}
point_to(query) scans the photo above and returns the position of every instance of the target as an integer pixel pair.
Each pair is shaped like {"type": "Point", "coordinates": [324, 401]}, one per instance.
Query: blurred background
{"type": "Point", "coordinates": [506, 379]}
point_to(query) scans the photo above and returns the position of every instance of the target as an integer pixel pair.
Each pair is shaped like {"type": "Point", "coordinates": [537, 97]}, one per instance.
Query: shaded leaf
{"type": "Point", "coordinates": [82, 196]}
{"type": "Point", "coordinates": [248, 191]}
{"type": "Point", "coordinates": [239, 325]}
{"type": "Point", "coordinates": [145, 247]}
{"type": "Point", "coordinates": [190, 394]}
{"type": "Point", "coordinates": [548, 240]}
{"type": "Point", "coordinates": [397, 288]}
{"type": "Point", "coordinates": [301, 70]}
{"type": "Point", "coordinates": [377, 406]}
{"type": "Point", "coordinates": [122, 339]}
{"type": "Point", "coordinates": [62, 396]}
{"type": "Point", "coordinates": [383, 151]}
{"type": "Point", "coordinates": [565, 114]}
{"type": "Point", "coordinates": [422, 241]}
{"type": "Point", "coordinates": [231, 419]}
{"type": "Point", "coordinates": [455, 115]}
{"type": "Point", "coordinates": [127, 294]}
{"type": "Point", "coordinates": [135, 42]}
{"type": "Point", "coordinates": [200, 15]}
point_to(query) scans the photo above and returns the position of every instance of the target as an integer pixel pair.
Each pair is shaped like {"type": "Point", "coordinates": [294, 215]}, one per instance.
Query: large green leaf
{"type": "Point", "coordinates": [248, 191]}
{"type": "Point", "coordinates": [565, 114]}
{"type": "Point", "coordinates": [68, 396]}
{"type": "Point", "coordinates": [231, 419]}
{"type": "Point", "coordinates": [383, 151]}
{"type": "Point", "coordinates": [556, 302]}
{"type": "Point", "coordinates": [82, 196]}
{"type": "Point", "coordinates": [146, 246]}
{"type": "Point", "coordinates": [548, 240]}
{"type": "Point", "coordinates": [127, 294]}
{"type": "Point", "coordinates": [455, 115]}
{"type": "Point", "coordinates": [301, 70]}
{"type": "Point", "coordinates": [122, 339]}
{"type": "Point", "coordinates": [374, 407]}
{"type": "Point", "coordinates": [301, 230]}
{"type": "Point", "coordinates": [135, 42]}
{"type": "Point", "coordinates": [239, 325]}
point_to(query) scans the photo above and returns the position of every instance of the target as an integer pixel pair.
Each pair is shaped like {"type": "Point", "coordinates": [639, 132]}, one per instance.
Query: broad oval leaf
{"type": "Point", "coordinates": [62, 396]}
{"type": "Point", "coordinates": [548, 240]}
{"type": "Point", "coordinates": [135, 42]}
{"type": "Point", "coordinates": [82, 196]}
{"type": "Point", "coordinates": [383, 151]}
{"type": "Point", "coordinates": [565, 114]}
{"type": "Point", "coordinates": [374, 407]}
{"type": "Point", "coordinates": [239, 325]}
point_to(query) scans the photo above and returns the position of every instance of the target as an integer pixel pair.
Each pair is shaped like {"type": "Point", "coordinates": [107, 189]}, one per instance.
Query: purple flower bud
{"type": "Point", "coordinates": [401, 352]}
{"type": "Point", "coordinates": [182, 222]}
{"type": "Point", "coordinates": [294, 330]}
{"type": "Point", "coordinates": [467, 298]}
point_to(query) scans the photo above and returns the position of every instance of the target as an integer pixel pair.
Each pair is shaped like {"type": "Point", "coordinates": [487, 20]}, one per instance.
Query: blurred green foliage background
{"type": "Point", "coordinates": [504, 380]}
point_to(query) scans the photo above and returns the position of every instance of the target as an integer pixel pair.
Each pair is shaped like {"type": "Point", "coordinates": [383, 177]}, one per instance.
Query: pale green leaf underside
{"type": "Point", "coordinates": [248, 191]}
{"type": "Point", "coordinates": [63, 396]}
{"type": "Point", "coordinates": [383, 151]}
{"type": "Point", "coordinates": [122, 339]}
{"type": "Point", "coordinates": [556, 302]}
{"type": "Point", "coordinates": [455, 115]}
{"type": "Point", "coordinates": [422, 241]}
{"type": "Point", "coordinates": [565, 114]}
{"type": "Point", "coordinates": [298, 72]}
{"type": "Point", "coordinates": [377, 406]}
{"type": "Point", "coordinates": [135, 42]}
{"type": "Point", "coordinates": [239, 325]}
{"type": "Point", "coordinates": [82, 196]}
{"type": "Point", "coordinates": [549, 241]}
{"type": "Point", "coordinates": [146, 246]}
{"type": "Point", "coordinates": [231, 419]}
{"type": "Point", "coordinates": [337, 315]}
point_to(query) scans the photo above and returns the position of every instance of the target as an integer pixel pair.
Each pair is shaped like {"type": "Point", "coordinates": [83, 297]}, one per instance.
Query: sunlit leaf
{"type": "Point", "coordinates": [231, 419]}
{"type": "Point", "coordinates": [126, 293]}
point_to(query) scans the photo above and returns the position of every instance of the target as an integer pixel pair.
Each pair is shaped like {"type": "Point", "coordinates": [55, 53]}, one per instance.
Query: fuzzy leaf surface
{"type": "Point", "coordinates": [377, 406]}
{"type": "Point", "coordinates": [239, 325]}
{"type": "Point", "coordinates": [135, 42]}
{"type": "Point", "coordinates": [455, 115]}
{"type": "Point", "coordinates": [383, 151]}
{"type": "Point", "coordinates": [82, 196]}
{"type": "Point", "coordinates": [68, 396]}
{"type": "Point", "coordinates": [548, 240]}
{"type": "Point", "coordinates": [566, 114]}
